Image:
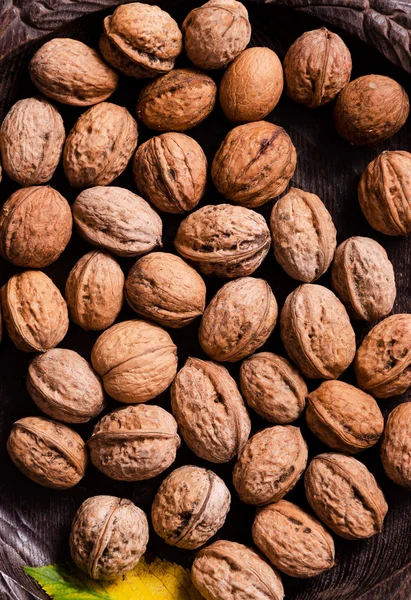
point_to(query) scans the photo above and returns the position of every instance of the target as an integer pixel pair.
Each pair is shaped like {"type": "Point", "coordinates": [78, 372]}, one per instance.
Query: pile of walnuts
{"type": "Point", "coordinates": [135, 361]}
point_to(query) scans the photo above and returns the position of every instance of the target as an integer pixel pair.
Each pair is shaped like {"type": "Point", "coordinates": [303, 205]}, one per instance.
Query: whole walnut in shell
{"type": "Point", "coordinates": [108, 536]}
{"type": "Point", "coordinates": [190, 506]}
{"type": "Point", "coordinates": [396, 445]}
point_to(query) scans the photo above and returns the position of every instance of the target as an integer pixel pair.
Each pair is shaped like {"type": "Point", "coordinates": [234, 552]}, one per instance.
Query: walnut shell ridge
{"type": "Point", "coordinates": [396, 445]}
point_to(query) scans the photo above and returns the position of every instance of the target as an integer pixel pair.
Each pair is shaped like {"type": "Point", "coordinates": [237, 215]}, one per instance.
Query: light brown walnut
{"type": "Point", "coordinates": [396, 445]}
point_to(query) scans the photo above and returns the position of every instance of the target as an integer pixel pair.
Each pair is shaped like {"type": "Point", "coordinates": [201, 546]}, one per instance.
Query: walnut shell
{"type": "Point", "coordinates": [34, 311]}
{"type": "Point", "coordinates": [31, 141]}
{"type": "Point", "coordinates": [209, 410]}
{"type": "Point", "coordinates": [49, 453]}
{"type": "Point", "coordinates": [224, 240]}
{"type": "Point", "coordinates": [254, 163]}
{"type": "Point", "coordinates": [371, 109]}
{"type": "Point", "coordinates": [273, 387]}
{"type": "Point", "coordinates": [190, 506]}
{"type": "Point", "coordinates": [94, 291]}
{"type": "Point", "coordinates": [239, 319]}
{"type": "Point", "coordinates": [100, 145]}
{"type": "Point", "coordinates": [134, 443]}
{"type": "Point", "coordinates": [164, 288]}
{"type": "Point", "coordinates": [136, 359]}
{"type": "Point", "coordinates": [303, 235]}
{"type": "Point", "coordinates": [115, 219]}
{"type": "Point", "coordinates": [270, 465]}
{"type": "Point", "coordinates": [177, 101]}
{"type": "Point", "coordinates": [293, 540]}
{"type": "Point", "coordinates": [396, 445]}
{"type": "Point", "coordinates": [72, 73]}
{"type": "Point", "coordinates": [316, 332]}
{"type": "Point", "coordinates": [345, 496]}
{"type": "Point", "coordinates": [35, 226]}
{"type": "Point", "coordinates": [108, 536]}
{"type": "Point", "coordinates": [170, 170]}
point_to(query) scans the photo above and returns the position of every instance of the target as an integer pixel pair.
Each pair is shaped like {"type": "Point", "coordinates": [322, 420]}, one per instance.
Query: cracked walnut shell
{"type": "Point", "coordinates": [396, 445]}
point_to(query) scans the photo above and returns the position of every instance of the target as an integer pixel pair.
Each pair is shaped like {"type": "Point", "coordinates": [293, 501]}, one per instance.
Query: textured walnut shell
{"type": "Point", "coordinates": [164, 288]}
{"type": "Point", "coordinates": [270, 465]}
{"type": "Point", "coordinates": [316, 332]}
{"type": "Point", "coordinates": [64, 386]}
{"type": "Point", "coordinates": [371, 109]}
{"type": "Point", "coordinates": [317, 67]}
{"type": "Point", "coordinates": [134, 443]}
{"type": "Point", "coordinates": [117, 220]}
{"type": "Point", "coordinates": [273, 387]}
{"type": "Point", "coordinates": [177, 101]}
{"type": "Point", "coordinates": [396, 445]}
{"type": "Point", "coordinates": [136, 359]}
{"type": "Point", "coordinates": [47, 452]}
{"type": "Point", "coordinates": [35, 226]}
{"type": "Point", "coordinates": [224, 240]}
{"type": "Point", "coordinates": [345, 496]}
{"type": "Point", "coordinates": [100, 145]}
{"type": "Point", "coordinates": [170, 170]}
{"type": "Point", "coordinates": [209, 410]}
{"type": "Point", "coordinates": [72, 73]}
{"type": "Point", "coordinates": [94, 291]}
{"type": "Point", "coordinates": [34, 311]}
{"type": "Point", "coordinates": [363, 278]}
{"type": "Point", "coordinates": [292, 540]}
{"type": "Point", "coordinates": [141, 40]}
{"type": "Point", "coordinates": [239, 319]}
{"type": "Point", "coordinates": [254, 163]}
{"type": "Point", "coordinates": [190, 506]}
{"type": "Point", "coordinates": [31, 141]}
{"type": "Point", "coordinates": [108, 536]}
{"type": "Point", "coordinates": [303, 234]}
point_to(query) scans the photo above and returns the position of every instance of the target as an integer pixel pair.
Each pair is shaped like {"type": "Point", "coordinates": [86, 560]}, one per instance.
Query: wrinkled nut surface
{"type": "Point", "coordinates": [209, 410]}
{"type": "Point", "coordinates": [72, 73]}
{"type": "Point", "coordinates": [49, 453]}
{"type": "Point", "coordinates": [136, 359]}
{"type": "Point", "coordinates": [164, 288]}
{"type": "Point", "coordinates": [316, 332]}
{"type": "Point", "coordinates": [108, 536]}
{"type": "Point", "coordinates": [190, 506]}
{"type": "Point", "coordinates": [292, 540]}
{"type": "Point", "coordinates": [303, 235]}
{"type": "Point", "coordinates": [134, 443]}
{"type": "Point", "coordinates": [254, 163]}
{"type": "Point", "coordinates": [239, 319]}
{"type": "Point", "coordinates": [396, 445]}
{"type": "Point", "coordinates": [224, 240]}
{"type": "Point", "coordinates": [345, 496]}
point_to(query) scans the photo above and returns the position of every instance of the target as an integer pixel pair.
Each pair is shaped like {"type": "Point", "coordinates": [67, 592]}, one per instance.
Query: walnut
{"type": "Point", "coordinates": [210, 411]}
{"type": "Point", "coordinates": [134, 443]}
{"type": "Point", "coordinates": [72, 73]}
{"type": "Point", "coordinates": [239, 319]}
{"type": "Point", "coordinates": [190, 506]}
{"type": "Point", "coordinates": [254, 163]}
{"type": "Point", "coordinates": [371, 109]}
{"type": "Point", "coordinates": [108, 536]}
{"type": "Point", "coordinates": [303, 234]}
{"type": "Point", "coordinates": [396, 445]}
{"type": "Point", "coordinates": [47, 452]}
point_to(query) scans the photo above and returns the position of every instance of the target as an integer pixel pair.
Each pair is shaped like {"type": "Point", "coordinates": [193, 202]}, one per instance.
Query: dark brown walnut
{"type": "Point", "coordinates": [108, 536]}
{"type": "Point", "coordinates": [371, 109]}
{"type": "Point", "coordinates": [210, 411]}
{"type": "Point", "coordinates": [254, 163]}
{"type": "Point", "coordinates": [72, 73]}
{"type": "Point", "coordinates": [47, 452]}
{"type": "Point", "coordinates": [270, 465]}
{"type": "Point", "coordinates": [239, 319]}
{"type": "Point", "coordinates": [164, 288]}
{"type": "Point", "coordinates": [303, 235]}
{"type": "Point", "coordinates": [396, 445]}
{"type": "Point", "coordinates": [345, 496]}
{"type": "Point", "coordinates": [134, 443]}
{"type": "Point", "coordinates": [190, 506]}
{"type": "Point", "coordinates": [224, 240]}
{"type": "Point", "coordinates": [316, 332]}
{"type": "Point", "coordinates": [64, 386]}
